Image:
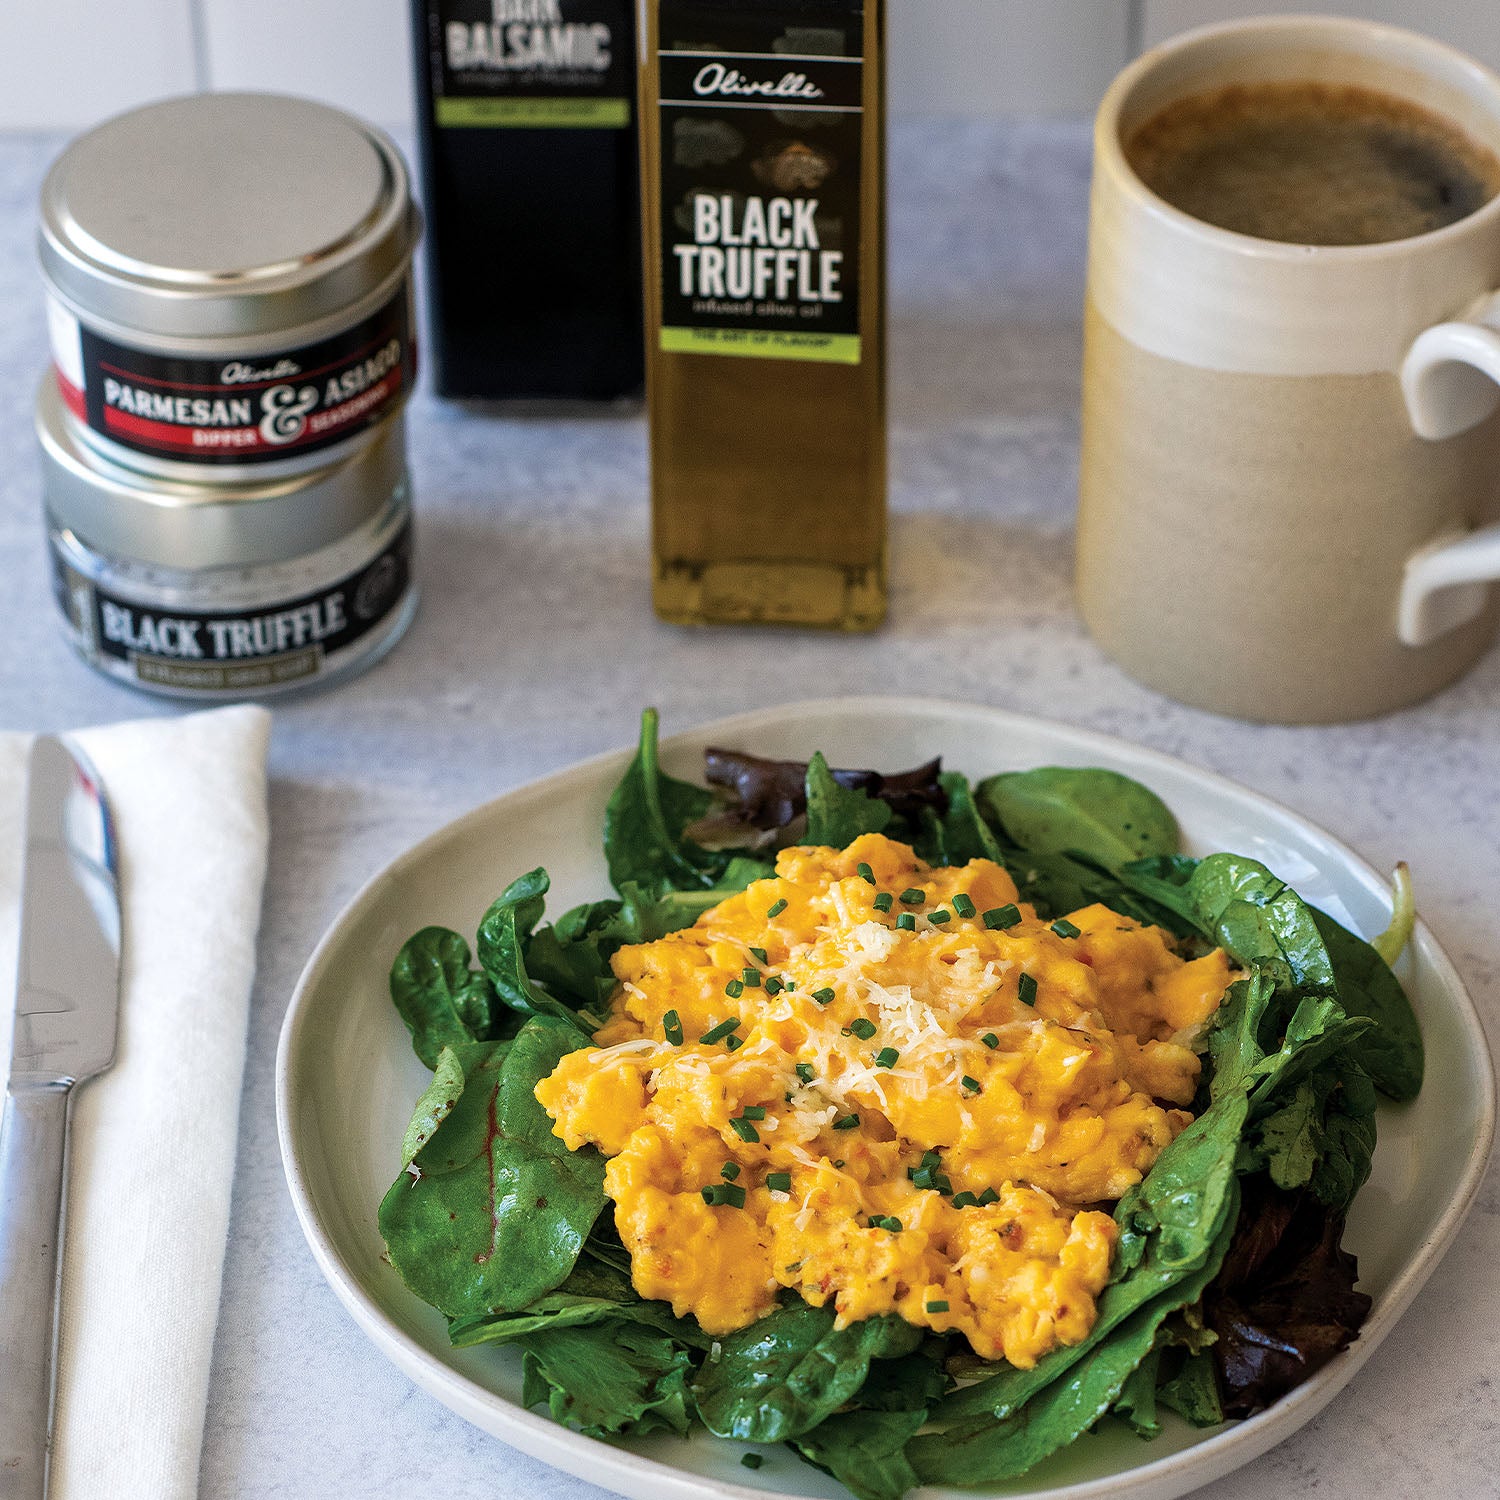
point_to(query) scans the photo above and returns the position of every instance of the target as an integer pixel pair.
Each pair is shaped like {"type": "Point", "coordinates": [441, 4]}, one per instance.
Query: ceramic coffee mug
{"type": "Point", "coordinates": [1291, 454]}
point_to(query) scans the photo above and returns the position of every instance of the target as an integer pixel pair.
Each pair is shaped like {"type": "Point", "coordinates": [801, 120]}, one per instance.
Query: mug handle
{"type": "Point", "coordinates": [1451, 380]}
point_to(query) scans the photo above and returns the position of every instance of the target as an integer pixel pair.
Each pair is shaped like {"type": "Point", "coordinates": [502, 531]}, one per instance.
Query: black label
{"type": "Point", "coordinates": [229, 650]}
{"type": "Point", "coordinates": [248, 410]}
{"type": "Point", "coordinates": [760, 180]}
{"type": "Point", "coordinates": [531, 63]}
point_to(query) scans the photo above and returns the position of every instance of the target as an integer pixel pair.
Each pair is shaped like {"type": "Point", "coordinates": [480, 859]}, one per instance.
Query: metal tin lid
{"type": "Point", "coordinates": [175, 524]}
{"type": "Point", "coordinates": [224, 214]}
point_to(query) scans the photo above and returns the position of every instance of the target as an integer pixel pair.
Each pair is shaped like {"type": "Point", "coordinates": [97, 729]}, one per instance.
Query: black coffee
{"type": "Point", "coordinates": [1312, 163]}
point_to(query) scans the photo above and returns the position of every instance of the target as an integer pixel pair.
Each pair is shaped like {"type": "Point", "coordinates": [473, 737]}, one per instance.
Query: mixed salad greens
{"type": "Point", "coordinates": [1229, 1284]}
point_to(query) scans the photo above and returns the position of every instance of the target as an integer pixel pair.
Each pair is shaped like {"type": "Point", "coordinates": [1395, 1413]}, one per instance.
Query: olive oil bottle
{"type": "Point", "coordinates": [762, 150]}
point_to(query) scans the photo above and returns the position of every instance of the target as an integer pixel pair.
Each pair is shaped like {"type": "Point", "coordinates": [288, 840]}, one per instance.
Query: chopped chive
{"type": "Point", "coordinates": [722, 1194]}
{"type": "Point", "coordinates": [774, 986]}
{"type": "Point", "coordinates": [823, 996]}
{"type": "Point", "coordinates": [937, 918]}
{"type": "Point", "coordinates": [930, 1179]}
{"type": "Point", "coordinates": [795, 1266]}
{"type": "Point", "coordinates": [930, 1158]}
{"type": "Point", "coordinates": [972, 1084]}
{"type": "Point", "coordinates": [805, 1072]}
{"type": "Point", "coordinates": [671, 1025]}
{"type": "Point", "coordinates": [1026, 990]}
{"type": "Point", "coordinates": [751, 977]}
{"type": "Point", "coordinates": [734, 989]}
{"type": "Point", "coordinates": [883, 901]}
{"type": "Point", "coordinates": [906, 922]}
{"type": "Point", "coordinates": [862, 1028]}
{"type": "Point", "coordinates": [884, 1221]}
{"type": "Point", "coordinates": [776, 908]}
{"type": "Point", "coordinates": [1001, 917]}
{"type": "Point", "coordinates": [745, 1130]}
{"type": "Point", "coordinates": [754, 1112]}
{"type": "Point", "coordinates": [886, 1057]}
{"type": "Point", "coordinates": [719, 1032]}
{"type": "Point", "coordinates": [779, 1182]}
{"type": "Point", "coordinates": [759, 955]}
{"type": "Point", "coordinates": [734, 1043]}
{"type": "Point", "coordinates": [838, 1166]}
{"type": "Point", "coordinates": [987, 1197]}
{"type": "Point", "coordinates": [1064, 928]}
{"type": "Point", "coordinates": [864, 872]}
{"type": "Point", "coordinates": [963, 905]}
{"type": "Point", "coordinates": [937, 1307]}
{"type": "Point", "coordinates": [752, 1460]}
{"type": "Point", "coordinates": [729, 1171]}
{"type": "Point", "coordinates": [846, 1122]}
{"type": "Point", "coordinates": [912, 896]}
{"type": "Point", "coordinates": [990, 1040]}
{"type": "Point", "coordinates": [964, 1200]}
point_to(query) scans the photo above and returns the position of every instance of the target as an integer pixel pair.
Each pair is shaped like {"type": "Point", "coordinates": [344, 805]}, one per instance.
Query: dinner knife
{"type": "Point", "coordinates": [67, 1004]}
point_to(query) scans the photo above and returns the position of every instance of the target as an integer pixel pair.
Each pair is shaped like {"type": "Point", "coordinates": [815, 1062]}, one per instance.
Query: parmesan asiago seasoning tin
{"type": "Point", "coordinates": [228, 284]}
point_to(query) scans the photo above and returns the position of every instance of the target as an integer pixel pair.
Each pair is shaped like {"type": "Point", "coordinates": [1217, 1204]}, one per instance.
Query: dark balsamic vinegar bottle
{"type": "Point", "coordinates": [528, 148]}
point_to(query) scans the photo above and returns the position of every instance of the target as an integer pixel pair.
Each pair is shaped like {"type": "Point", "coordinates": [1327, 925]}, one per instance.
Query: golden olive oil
{"type": "Point", "coordinates": [762, 136]}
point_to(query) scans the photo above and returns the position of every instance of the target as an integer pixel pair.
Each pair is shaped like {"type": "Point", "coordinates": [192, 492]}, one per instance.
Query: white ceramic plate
{"type": "Point", "coordinates": [346, 1081]}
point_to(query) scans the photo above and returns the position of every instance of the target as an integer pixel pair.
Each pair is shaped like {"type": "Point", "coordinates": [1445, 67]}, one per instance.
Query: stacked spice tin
{"type": "Point", "coordinates": [224, 464]}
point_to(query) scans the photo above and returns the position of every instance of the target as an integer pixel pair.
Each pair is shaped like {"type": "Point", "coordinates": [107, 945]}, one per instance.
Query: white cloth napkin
{"type": "Point", "coordinates": [153, 1140]}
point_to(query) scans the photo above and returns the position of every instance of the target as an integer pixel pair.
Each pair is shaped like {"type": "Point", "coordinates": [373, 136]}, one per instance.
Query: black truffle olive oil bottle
{"type": "Point", "coordinates": [527, 124]}
{"type": "Point", "coordinates": [762, 150]}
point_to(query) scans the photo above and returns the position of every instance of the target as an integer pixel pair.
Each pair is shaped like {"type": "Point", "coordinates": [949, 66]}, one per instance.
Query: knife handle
{"type": "Point", "coordinates": [33, 1163]}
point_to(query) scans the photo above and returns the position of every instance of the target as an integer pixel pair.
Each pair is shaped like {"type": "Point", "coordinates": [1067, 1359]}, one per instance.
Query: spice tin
{"type": "Point", "coordinates": [228, 285]}
{"type": "Point", "coordinates": [227, 591]}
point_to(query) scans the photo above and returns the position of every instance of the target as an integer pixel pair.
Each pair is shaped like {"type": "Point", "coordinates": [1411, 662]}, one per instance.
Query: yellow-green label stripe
{"type": "Point", "coordinates": [763, 343]}
{"type": "Point", "coordinates": [454, 111]}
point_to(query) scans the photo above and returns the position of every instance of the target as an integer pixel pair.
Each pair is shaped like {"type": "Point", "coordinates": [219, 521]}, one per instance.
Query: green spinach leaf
{"type": "Point", "coordinates": [1256, 917]}
{"type": "Point", "coordinates": [498, 1208]}
{"type": "Point", "coordinates": [1291, 1137]}
{"type": "Point", "coordinates": [1193, 1390]}
{"type": "Point", "coordinates": [864, 1451]}
{"type": "Point", "coordinates": [1107, 817]}
{"type": "Point", "coordinates": [435, 1105]}
{"type": "Point", "coordinates": [644, 845]}
{"type": "Point", "coordinates": [960, 833]}
{"type": "Point", "coordinates": [910, 1382]}
{"type": "Point", "coordinates": [781, 1376]}
{"type": "Point", "coordinates": [1348, 1139]}
{"type": "Point", "coordinates": [443, 1001]}
{"type": "Point", "coordinates": [837, 815]}
{"type": "Point", "coordinates": [503, 936]}
{"type": "Point", "coordinates": [602, 1381]}
{"type": "Point", "coordinates": [1136, 1403]}
{"type": "Point", "coordinates": [595, 1292]}
{"type": "Point", "coordinates": [1391, 1052]}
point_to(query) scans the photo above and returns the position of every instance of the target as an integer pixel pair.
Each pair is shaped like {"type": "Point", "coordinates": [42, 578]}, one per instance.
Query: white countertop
{"type": "Point", "coordinates": [536, 646]}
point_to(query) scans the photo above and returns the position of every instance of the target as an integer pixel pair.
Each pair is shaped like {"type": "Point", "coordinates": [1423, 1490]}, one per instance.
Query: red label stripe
{"type": "Point", "coordinates": [73, 398]}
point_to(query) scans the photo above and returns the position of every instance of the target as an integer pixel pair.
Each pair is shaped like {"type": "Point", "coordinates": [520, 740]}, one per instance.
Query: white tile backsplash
{"type": "Point", "coordinates": [69, 63]}
{"type": "Point", "coordinates": [66, 63]}
{"type": "Point", "coordinates": [352, 53]}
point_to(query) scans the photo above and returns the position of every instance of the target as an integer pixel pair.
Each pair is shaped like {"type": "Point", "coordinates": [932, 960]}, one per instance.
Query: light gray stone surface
{"type": "Point", "coordinates": [536, 646]}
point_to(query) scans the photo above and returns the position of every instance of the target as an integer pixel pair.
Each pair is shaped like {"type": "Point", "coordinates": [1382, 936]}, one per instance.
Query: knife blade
{"type": "Point", "coordinates": [66, 1022]}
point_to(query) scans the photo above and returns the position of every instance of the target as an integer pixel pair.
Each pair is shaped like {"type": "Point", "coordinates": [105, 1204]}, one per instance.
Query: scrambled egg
{"type": "Point", "coordinates": [892, 1086]}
